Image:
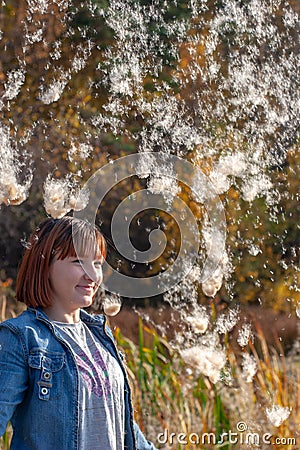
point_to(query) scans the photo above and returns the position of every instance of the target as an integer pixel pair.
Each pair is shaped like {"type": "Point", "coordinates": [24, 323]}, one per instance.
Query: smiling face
{"type": "Point", "coordinates": [54, 247]}
{"type": "Point", "coordinates": [74, 282]}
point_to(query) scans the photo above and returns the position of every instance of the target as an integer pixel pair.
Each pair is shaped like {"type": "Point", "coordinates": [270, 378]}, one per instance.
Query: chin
{"type": "Point", "coordinates": [86, 302]}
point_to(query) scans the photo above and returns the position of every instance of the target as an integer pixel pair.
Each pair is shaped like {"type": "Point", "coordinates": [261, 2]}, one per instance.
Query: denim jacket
{"type": "Point", "coordinates": [39, 384]}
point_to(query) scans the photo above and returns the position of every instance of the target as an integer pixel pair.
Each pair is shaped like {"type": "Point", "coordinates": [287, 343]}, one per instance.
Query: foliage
{"type": "Point", "coordinates": [65, 58]}
{"type": "Point", "coordinates": [170, 395]}
{"type": "Point", "coordinates": [83, 83]}
{"type": "Point", "coordinates": [264, 243]}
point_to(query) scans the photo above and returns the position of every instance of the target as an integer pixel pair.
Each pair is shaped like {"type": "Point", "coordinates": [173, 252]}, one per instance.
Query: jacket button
{"type": "Point", "coordinates": [44, 391]}
{"type": "Point", "coordinates": [47, 375]}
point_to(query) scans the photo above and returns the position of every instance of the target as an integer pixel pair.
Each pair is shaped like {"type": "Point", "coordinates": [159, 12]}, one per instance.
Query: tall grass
{"type": "Point", "coordinates": [170, 397]}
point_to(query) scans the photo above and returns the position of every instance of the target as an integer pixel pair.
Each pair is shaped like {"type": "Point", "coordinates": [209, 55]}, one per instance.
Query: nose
{"type": "Point", "coordinates": [93, 274]}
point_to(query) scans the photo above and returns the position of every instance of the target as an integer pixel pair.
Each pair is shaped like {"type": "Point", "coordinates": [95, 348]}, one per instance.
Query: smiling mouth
{"type": "Point", "coordinates": [88, 289]}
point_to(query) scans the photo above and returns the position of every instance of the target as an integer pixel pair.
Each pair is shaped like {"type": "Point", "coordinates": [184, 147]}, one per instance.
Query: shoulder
{"type": "Point", "coordinates": [26, 317]}
{"type": "Point", "coordinates": [28, 324]}
{"type": "Point", "coordinates": [12, 334]}
{"type": "Point", "coordinates": [32, 329]}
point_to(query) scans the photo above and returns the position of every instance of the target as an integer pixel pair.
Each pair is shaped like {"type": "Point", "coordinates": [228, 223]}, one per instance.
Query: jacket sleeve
{"type": "Point", "coordinates": [13, 374]}
{"type": "Point", "coordinates": [141, 441]}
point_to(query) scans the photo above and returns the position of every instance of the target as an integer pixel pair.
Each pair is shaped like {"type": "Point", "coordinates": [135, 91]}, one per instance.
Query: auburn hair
{"type": "Point", "coordinates": [62, 238]}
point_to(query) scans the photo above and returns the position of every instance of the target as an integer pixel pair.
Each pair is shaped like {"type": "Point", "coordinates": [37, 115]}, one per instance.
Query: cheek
{"type": "Point", "coordinates": [100, 277]}
{"type": "Point", "coordinates": [52, 277]}
{"type": "Point", "coordinates": [64, 276]}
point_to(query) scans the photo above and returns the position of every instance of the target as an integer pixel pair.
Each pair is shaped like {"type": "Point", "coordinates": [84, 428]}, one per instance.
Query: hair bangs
{"type": "Point", "coordinates": [84, 241]}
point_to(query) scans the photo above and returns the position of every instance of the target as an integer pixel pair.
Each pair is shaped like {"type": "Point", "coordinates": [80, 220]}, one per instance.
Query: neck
{"type": "Point", "coordinates": [62, 316]}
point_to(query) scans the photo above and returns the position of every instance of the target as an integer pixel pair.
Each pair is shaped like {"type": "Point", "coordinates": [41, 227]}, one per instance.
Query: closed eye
{"type": "Point", "coordinates": [97, 264]}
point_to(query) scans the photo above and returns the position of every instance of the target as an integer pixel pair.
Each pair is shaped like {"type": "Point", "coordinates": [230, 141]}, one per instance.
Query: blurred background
{"type": "Point", "coordinates": [214, 82]}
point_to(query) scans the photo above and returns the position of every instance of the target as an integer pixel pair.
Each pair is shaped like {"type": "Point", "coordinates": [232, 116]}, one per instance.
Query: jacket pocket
{"type": "Point", "coordinates": [46, 373]}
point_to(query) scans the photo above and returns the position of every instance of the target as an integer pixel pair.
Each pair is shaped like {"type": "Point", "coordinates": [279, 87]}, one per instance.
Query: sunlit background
{"type": "Point", "coordinates": [215, 83]}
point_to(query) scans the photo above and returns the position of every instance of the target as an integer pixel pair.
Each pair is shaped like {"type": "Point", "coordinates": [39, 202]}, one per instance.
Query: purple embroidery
{"type": "Point", "coordinates": [94, 372]}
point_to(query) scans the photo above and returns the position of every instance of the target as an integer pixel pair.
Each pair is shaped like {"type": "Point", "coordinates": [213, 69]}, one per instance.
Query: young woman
{"type": "Point", "coordinates": [62, 382]}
